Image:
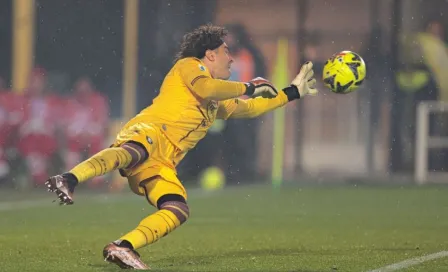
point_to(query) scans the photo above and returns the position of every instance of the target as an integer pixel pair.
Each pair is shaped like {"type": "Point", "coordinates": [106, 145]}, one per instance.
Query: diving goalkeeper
{"type": "Point", "coordinates": [194, 93]}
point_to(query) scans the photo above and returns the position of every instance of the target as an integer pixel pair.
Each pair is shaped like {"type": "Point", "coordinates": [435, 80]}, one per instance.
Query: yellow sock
{"type": "Point", "coordinates": [103, 162]}
{"type": "Point", "coordinates": [154, 227]}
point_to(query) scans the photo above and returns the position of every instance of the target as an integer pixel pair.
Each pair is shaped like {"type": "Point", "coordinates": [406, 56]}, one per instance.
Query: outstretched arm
{"type": "Point", "coordinates": [303, 84]}
{"type": "Point", "coordinates": [250, 108]}
{"type": "Point", "coordinates": [198, 79]}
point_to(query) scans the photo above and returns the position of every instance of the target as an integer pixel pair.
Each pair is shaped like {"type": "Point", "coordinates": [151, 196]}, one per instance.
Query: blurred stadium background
{"type": "Point", "coordinates": [72, 71]}
{"type": "Point", "coordinates": [55, 53]}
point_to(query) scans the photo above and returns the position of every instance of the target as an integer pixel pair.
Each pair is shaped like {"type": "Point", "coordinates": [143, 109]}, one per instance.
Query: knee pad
{"type": "Point", "coordinates": [175, 204]}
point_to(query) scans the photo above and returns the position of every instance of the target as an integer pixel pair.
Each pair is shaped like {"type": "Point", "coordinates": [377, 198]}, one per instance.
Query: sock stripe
{"type": "Point", "coordinates": [167, 215]}
{"type": "Point", "coordinates": [118, 156]}
{"type": "Point", "coordinates": [107, 160]}
{"type": "Point", "coordinates": [122, 158]}
{"type": "Point", "coordinates": [167, 224]}
{"type": "Point", "coordinates": [93, 166]}
{"type": "Point", "coordinates": [98, 162]}
{"type": "Point", "coordinates": [141, 150]}
{"type": "Point", "coordinates": [152, 233]}
{"type": "Point", "coordinates": [181, 215]}
{"type": "Point", "coordinates": [117, 163]}
{"type": "Point", "coordinates": [176, 208]}
{"type": "Point", "coordinates": [138, 148]}
{"type": "Point", "coordinates": [157, 224]}
{"type": "Point", "coordinates": [139, 156]}
{"type": "Point", "coordinates": [184, 209]}
{"type": "Point", "coordinates": [144, 234]}
{"type": "Point", "coordinates": [135, 155]}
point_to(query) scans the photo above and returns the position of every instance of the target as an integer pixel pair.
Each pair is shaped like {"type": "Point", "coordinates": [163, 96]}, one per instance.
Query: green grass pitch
{"type": "Point", "coordinates": [246, 228]}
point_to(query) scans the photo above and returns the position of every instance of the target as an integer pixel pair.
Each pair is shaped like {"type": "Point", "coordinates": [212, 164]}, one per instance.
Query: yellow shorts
{"type": "Point", "coordinates": [159, 168]}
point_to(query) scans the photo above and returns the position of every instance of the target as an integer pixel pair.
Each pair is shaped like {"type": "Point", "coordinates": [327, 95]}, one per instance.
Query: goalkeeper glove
{"type": "Point", "coordinates": [260, 87]}
{"type": "Point", "coordinates": [303, 84]}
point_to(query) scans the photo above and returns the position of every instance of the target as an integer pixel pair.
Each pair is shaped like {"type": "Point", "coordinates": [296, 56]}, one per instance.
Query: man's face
{"type": "Point", "coordinates": [222, 62]}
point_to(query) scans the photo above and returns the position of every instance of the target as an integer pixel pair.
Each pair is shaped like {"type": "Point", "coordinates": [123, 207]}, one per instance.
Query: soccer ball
{"type": "Point", "coordinates": [344, 72]}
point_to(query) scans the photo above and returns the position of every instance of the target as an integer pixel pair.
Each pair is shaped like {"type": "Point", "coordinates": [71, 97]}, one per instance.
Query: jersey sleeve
{"type": "Point", "coordinates": [198, 79]}
{"type": "Point", "coordinates": [226, 108]}
{"type": "Point", "coordinates": [239, 108]}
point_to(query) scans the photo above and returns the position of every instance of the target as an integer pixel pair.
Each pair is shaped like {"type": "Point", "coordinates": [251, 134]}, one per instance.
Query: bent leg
{"type": "Point", "coordinates": [170, 200]}
{"type": "Point", "coordinates": [128, 155]}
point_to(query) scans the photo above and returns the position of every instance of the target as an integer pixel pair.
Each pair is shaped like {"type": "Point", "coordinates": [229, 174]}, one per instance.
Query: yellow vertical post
{"type": "Point", "coordinates": [130, 62]}
{"type": "Point", "coordinates": [130, 57]}
{"type": "Point", "coordinates": [22, 43]}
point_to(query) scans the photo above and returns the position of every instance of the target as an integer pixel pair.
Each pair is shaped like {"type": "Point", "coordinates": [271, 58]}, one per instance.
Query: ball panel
{"type": "Point", "coordinates": [344, 72]}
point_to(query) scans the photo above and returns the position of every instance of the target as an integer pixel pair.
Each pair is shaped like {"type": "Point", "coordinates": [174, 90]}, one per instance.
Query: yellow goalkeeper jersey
{"type": "Point", "coordinates": [188, 103]}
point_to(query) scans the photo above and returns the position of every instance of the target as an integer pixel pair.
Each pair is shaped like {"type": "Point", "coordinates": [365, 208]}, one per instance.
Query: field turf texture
{"type": "Point", "coordinates": [242, 228]}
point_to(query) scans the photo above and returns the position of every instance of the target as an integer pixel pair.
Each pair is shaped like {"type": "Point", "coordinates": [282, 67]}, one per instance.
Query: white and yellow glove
{"type": "Point", "coordinates": [303, 84]}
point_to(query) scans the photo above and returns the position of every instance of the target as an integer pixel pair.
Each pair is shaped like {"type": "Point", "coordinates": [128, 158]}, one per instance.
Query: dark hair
{"type": "Point", "coordinates": [198, 41]}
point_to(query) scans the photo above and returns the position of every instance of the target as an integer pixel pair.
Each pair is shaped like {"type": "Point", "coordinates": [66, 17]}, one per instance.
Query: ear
{"type": "Point", "coordinates": [210, 55]}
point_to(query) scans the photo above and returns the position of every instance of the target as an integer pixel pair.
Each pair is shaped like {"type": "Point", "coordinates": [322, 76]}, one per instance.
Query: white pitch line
{"type": "Point", "coordinates": [411, 262]}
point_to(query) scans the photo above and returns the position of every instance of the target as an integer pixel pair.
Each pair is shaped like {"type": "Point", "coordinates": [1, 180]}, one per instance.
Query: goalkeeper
{"type": "Point", "coordinates": [194, 93]}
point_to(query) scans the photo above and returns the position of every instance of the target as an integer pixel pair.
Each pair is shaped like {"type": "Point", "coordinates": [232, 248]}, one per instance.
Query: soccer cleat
{"type": "Point", "coordinates": [124, 257]}
{"type": "Point", "coordinates": [59, 185]}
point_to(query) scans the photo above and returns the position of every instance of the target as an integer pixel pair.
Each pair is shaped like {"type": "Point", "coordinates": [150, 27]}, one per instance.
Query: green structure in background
{"type": "Point", "coordinates": [280, 77]}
